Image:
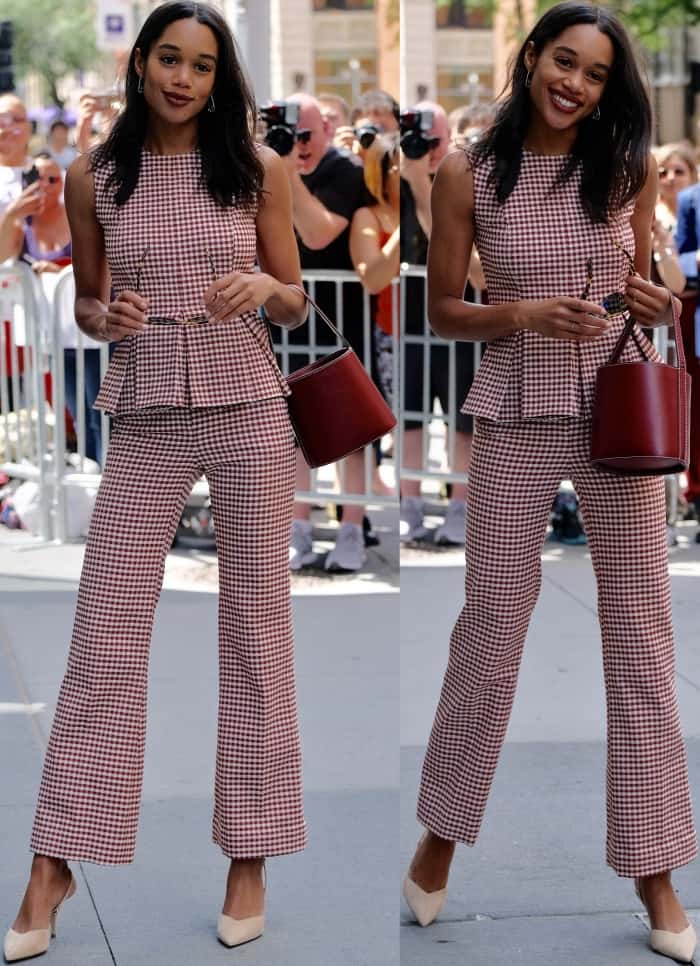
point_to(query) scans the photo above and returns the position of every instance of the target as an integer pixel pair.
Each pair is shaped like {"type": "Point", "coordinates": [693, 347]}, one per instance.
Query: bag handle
{"type": "Point", "coordinates": [267, 346]}
{"type": "Point", "coordinates": [322, 314]}
{"type": "Point", "coordinates": [629, 331]}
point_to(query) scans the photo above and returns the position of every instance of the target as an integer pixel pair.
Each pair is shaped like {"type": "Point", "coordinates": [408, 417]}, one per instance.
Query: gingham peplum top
{"type": "Point", "coordinates": [163, 236]}
{"type": "Point", "coordinates": [535, 246]}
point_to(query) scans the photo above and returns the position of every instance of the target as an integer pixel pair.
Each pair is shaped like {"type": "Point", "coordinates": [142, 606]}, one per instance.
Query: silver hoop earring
{"type": "Point", "coordinates": [211, 106]}
{"type": "Point", "coordinates": [140, 86]}
{"type": "Point", "coordinates": [596, 114]}
{"type": "Point", "coordinates": [528, 79]}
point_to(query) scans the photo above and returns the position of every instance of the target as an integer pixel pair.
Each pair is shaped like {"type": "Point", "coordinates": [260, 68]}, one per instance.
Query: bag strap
{"type": "Point", "coordinates": [629, 331]}
{"type": "Point", "coordinates": [322, 314]}
{"type": "Point", "coordinates": [267, 345]}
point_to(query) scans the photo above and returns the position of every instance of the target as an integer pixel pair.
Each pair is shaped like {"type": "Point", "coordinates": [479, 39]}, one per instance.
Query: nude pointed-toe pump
{"type": "Point", "coordinates": [676, 945]}
{"type": "Point", "coordinates": [425, 906]}
{"type": "Point", "coordinates": [23, 945]}
{"type": "Point", "coordinates": [234, 932]}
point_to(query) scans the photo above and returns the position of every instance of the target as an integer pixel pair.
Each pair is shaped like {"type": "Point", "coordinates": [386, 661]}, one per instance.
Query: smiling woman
{"type": "Point", "coordinates": [554, 194]}
{"type": "Point", "coordinates": [174, 210]}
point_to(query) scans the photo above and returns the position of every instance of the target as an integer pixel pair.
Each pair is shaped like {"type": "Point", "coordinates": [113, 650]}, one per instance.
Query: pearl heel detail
{"type": "Point", "coordinates": [676, 945]}
{"type": "Point", "coordinates": [24, 945]}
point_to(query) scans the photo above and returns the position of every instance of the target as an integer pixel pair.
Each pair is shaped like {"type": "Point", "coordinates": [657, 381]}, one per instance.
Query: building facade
{"type": "Point", "coordinates": [457, 52]}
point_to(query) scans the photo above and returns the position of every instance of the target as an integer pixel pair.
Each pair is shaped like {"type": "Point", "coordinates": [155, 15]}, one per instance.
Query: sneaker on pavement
{"type": "Point", "coordinates": [411, 519]}
{"type": "Point", "coordinates": [301, 551]}
{"type": "Point", "coordinates": [348, 554]}
{"type": "Point", "coordinates": [453, 530]}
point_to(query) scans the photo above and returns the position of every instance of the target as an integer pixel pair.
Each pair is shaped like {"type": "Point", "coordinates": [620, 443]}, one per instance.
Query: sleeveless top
{"type": "Point", "coordinates": [166, 232]}
{"type": "Point", "coordinates": [536, 246]}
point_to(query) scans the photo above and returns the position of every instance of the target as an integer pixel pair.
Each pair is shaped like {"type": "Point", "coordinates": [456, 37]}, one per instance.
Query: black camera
{"type": "Point", "coordinates": [366, 134]}
{"type": "Point", "coordinates": [30, 176]}
{"type": "Point", "coordinates": [414, 126]}
{"type": "Point", "coordinates": [281, 119]}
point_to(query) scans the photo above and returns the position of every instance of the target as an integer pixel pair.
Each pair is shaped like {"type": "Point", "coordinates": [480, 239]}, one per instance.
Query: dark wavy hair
{"type": "Point", "coordinates": [613, 151]}
{"type": "Point", "coordinates": [231, 167]}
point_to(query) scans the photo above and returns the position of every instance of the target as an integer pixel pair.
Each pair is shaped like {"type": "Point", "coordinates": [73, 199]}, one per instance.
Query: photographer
{"type": "Point", "coordinates": [327, 187]}
{"type": "Point", "coordinates": [425, 141]}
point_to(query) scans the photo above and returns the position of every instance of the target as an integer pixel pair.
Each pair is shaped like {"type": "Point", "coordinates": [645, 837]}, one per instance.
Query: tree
{"type": "Point", "coordinates": [52, 38]}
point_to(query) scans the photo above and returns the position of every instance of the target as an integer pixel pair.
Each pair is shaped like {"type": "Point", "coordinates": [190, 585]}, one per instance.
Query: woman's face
{"type": "Point", "coordinates": [51, 181]}
{"type": "Point", "coordinates": [674, 175]}
{"type": "Point", "coordinates": [178, 75]}
{"type": "Point", "coordinates": [569, 76]}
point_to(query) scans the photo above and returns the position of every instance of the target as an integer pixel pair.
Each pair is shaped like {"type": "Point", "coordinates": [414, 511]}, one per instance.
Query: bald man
{"type": "Point", "coordinates": [15, 131]}
{"type": "Point", "coordinates": [328, 187]}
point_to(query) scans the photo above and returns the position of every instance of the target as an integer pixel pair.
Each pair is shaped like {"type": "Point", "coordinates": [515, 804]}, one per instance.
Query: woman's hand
{"type": "Point", "coordinates": [43, 265]}
{"type": "Point", "coordinates": [238, 292]}
{"type": "Point", "coordinates": [123, 318]}
{"type": "Point", "coordinates": [649, 304]}
{"type": "Point", "coordinates": [575, 320]}
{"type": "Point", "coordinates": [29, 202]}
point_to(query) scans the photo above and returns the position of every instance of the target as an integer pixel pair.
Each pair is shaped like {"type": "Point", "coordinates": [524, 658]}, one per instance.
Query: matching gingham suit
{"type": "Point", "coordinates": [532, 398]}
{"type": "Point", "coordinates": [187, 400]}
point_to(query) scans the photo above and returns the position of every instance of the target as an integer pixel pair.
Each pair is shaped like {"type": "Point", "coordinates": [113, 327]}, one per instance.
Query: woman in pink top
{"type": "Point", "coordinates": [559, 196]}
{"type": "Point", "coordinates": [176, 206]}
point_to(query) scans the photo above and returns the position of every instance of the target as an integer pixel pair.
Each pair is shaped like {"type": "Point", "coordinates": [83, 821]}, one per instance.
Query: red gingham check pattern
{"type": "Point", "coordinates": [173, 216]}
{"type": "Point", "coordinates": [535, 246]}
{"type": "Point", "coordinates": [650, 823]}
{"type": "Point", "coordinates": [90, 791]}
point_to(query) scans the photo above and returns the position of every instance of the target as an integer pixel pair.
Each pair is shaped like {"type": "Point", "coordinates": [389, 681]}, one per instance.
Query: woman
{"type": "Point", "coordinates": [39, 233]}
{"type": "Point", "coordinates": [36, 224]}
{"type": "Point", "coordinates": [374, 249]}
{"type": "Point", "coordinates": [174, 205]}
{"type": "Point", "coordinates": [676, 171]}
{"type": "Point", "coordinates": [552, 193]}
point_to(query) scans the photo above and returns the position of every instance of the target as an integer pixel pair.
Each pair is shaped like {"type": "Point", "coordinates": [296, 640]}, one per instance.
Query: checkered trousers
{"type": "Point", "coordinates": [650, 823]}
{"type": "Point", "coordinates": [90, 790]}
{"type": "Point", "coordinates": [160, 241]}
{"type": "Point", "coordinates": [536, 246]}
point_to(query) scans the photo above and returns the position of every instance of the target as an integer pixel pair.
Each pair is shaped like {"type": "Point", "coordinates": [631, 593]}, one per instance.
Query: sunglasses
{"type": "Point", "coordinates": [50, 178]}
{"type": "Point", "coordinates": [303, 135]}
{"type": "Point", "coordinates": [161, 319]}
{"type": "Point", "coordinates": [614, 304]}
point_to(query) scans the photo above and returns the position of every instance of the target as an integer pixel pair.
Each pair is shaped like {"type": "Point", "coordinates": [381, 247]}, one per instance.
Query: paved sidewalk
{"type": "Point", "coordinates": [535, 890]}
{"type": "Point", "coordinates": [333, 903]}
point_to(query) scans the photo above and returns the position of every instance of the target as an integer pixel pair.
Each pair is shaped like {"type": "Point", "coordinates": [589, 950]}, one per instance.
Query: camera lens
{"type": "Point", "coordinates": [280, 139]}
{"type": "Point", "coordinates": [366, 135]}
{"type": "Point", "coordinates": [414, 145]}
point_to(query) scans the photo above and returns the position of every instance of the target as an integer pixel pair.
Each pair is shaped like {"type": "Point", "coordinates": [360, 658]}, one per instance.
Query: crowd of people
{"type": "Point", "coordinates": [343, 170]}
{"type": "Point", "coordinates": [362, 204]}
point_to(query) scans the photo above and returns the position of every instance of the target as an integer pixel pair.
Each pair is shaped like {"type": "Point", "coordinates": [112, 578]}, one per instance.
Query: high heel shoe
{"type": "Point", "coordinates": [676, 945]}
{"type": "Point", "coordinates": [425, 906]}
{"type": "Point", "coordinates": [23, 945]}
{"type": "Point", "coordinates": [234, 932]}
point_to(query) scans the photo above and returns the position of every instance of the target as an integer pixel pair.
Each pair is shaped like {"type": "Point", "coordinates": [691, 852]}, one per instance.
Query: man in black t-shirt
{"type": "Point", "coordinates": [416, 182]}
{"type": "Point", "coordinates": [328, 187]}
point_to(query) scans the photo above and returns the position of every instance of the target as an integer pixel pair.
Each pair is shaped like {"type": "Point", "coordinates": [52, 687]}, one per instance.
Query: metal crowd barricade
{"type": "Point", "coordinates": [430, 420]}
{"type": "Point", "coordinates": [322, 487]}
{"type": "Point", "coordinates": [29, 453]}
{"type": "Point", "coordinates": [25, 417]}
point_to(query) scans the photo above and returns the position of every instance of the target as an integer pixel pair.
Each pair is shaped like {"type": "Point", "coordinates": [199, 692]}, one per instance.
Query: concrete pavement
{"type": "Point", "coordinates": [333, 903]}
{"type": "Point", "coordinates": [535, 890]}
